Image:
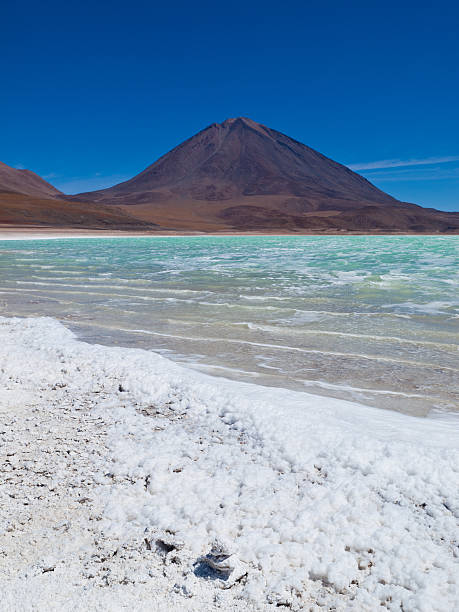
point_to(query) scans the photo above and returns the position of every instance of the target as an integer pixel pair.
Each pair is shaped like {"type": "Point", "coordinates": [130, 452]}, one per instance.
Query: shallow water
{"type": "Point", "coordinates": [373, 319]}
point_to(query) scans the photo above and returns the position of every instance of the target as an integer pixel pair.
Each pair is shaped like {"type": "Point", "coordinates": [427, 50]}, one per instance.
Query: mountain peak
{"type": "Point", "coordinates": [242, 122]}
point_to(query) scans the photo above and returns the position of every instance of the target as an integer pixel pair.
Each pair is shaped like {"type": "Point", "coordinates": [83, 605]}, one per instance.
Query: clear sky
{"type": "Point", "coordinates": [93, 92]}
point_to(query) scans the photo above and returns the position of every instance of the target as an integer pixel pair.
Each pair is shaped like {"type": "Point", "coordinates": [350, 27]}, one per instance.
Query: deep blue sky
{"type": "Point", "coordinates": [93, 92]}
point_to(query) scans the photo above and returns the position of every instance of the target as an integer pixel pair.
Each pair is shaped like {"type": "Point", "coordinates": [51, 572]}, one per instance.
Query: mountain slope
{"type": "Point", "coordinates": [27, 182]}
{"type": "Point", "coordinates": [19, 210]}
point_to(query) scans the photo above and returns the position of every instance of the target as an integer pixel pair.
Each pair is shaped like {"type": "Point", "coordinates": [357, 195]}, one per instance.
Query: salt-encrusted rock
{"type": "Point", "coordinates": [227, 564]}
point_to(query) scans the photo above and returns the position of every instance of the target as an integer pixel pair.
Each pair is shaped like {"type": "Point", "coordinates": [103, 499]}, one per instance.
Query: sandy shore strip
{"type": "Point", "coordinates": [131, 482]}
{"type": "Point", "coordinates": [26, 233]}
{"type": "Point", "coordinates": [29, 233]}
{"type": "Point", "coordinates": [49, 233]}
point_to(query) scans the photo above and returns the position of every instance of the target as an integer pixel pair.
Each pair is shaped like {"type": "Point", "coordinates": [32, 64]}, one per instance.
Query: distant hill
{"type": "Point", "coordinates": [242, 175]}
{"type": "Point", "coordinates": [26, 200]}
{"type": "Point", "coordinates": [26, 182]}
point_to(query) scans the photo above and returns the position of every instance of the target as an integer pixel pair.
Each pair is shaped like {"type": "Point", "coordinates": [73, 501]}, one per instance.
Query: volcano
{"type": "Point", "coordinates": [239, 159]}
{"type": "Point", "coordinates": [241, 175]}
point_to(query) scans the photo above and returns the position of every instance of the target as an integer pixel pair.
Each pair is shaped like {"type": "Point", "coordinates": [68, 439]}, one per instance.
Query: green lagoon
{"type": "Point", "coordinates": [372, 319]}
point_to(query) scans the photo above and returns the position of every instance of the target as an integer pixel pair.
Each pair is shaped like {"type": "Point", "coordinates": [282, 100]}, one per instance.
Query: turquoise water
{"type": "Point", "coordinates": [369, 318]}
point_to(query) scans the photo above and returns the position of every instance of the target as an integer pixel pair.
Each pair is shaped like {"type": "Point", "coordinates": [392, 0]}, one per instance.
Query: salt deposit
{"type": "Point", "coordinates": [134, 482]}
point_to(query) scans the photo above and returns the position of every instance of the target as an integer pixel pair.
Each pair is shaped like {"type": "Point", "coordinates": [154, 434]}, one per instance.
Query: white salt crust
{"type": "Point", "coordinates": [131, 482]}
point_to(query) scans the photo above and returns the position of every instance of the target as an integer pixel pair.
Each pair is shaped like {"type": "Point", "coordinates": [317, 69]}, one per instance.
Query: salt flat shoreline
{"type": "Point", "coordinates": [132, 482]}
{"type": "Point", "coordinates": [71, 233]}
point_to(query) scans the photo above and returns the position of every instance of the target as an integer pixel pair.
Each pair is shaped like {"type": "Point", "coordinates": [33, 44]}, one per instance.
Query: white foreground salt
{"type": "Point", "coordinates": [228, 495]}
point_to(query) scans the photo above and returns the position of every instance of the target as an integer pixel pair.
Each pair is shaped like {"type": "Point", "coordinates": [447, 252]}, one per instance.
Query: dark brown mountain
{"type": "Point", "coordinates": [240, 158]}
{"type": "Point", "coordinates": [26, 200]}
{"type": "Point", "coordinates": [242, 175]}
